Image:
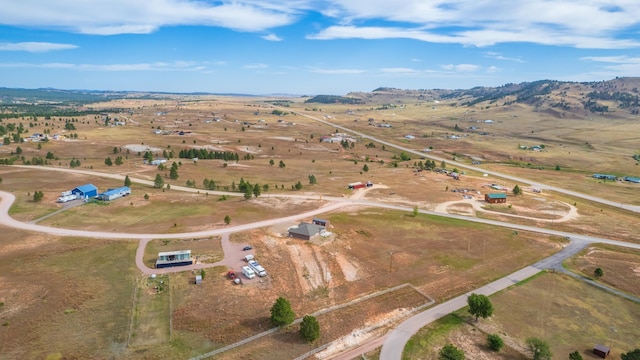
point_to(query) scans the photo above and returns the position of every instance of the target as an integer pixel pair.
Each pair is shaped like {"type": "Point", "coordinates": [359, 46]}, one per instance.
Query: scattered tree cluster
{"type": "Point", "coordinates": [203, 154]}
{"type": "Point", "coordinates": [37, 196]}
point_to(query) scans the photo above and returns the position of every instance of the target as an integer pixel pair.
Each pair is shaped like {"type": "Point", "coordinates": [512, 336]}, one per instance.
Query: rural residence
{"type": "Point", "coordinates": [495, 198]}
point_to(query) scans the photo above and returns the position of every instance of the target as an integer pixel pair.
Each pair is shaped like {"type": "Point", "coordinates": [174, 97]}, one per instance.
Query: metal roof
{"type": "Point", "coordinates": [306, 229]}
{"type": "Point", "coordinates": [116, 191]}
{"type": "Point", "coordinates": [86, 188]}
{"type": "Point", "coordinates": [178, 252]}
{"type": "Point", "coordinates": [497, 196]}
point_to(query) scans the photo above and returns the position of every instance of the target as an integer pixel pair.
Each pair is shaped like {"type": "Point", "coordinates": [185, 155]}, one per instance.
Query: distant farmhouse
{"type": "Point", "coordinates": [605, 177]}
{"type": "Point", "coordinates": [495, 198]}
{"type": "Point", "coordinates": [632, 179]}
{"type": "Point", "coordinates": [308, 231]}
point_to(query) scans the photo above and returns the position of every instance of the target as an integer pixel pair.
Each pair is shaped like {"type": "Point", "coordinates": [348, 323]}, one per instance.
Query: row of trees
{"type": "Point", "coordinates": [283, 315]}
{"type": "Point", "coordinates": [208, 155]}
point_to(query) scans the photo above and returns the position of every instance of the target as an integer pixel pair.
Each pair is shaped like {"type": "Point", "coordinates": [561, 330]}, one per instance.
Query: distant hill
{"type": "Point", "coordinates": [555, 97]}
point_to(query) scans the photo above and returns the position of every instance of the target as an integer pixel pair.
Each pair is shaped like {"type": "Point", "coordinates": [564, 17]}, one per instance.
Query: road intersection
{"type": "Point", "coordinates": [393, 342]}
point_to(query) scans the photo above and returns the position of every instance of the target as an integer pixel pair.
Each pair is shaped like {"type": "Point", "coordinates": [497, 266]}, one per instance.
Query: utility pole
{"type": "Point", "coordinates": [390, 261]}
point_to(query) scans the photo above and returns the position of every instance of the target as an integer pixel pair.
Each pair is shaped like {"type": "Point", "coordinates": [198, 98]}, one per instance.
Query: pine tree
{"type": "Point", "coordinates": [281, 312]}
{"type": "Point", "coordinates": [158, 182]}
{"type": "Point", "coordinates": [309, 328]}
{"type": "Point", "coordinates": [127, 181]}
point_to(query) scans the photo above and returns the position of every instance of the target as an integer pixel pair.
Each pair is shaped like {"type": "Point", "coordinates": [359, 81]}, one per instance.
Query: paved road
{"type": "Point", "coordinates": [634, 208]}
{"type": "Point", "coordinates": [395, 341]}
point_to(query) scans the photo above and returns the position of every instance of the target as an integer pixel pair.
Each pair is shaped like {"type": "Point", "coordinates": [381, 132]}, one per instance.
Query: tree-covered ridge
{"type": "Point", "coordinates": [333, 99]}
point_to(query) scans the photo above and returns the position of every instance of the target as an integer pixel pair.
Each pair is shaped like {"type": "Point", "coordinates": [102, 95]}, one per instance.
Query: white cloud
{"type": "Point", "coordinates": [461, 68]}
{"type": "Point", "coordinates": [489, 22]}
{"type": "Point", "coordinates": [35, 47]}
{"type": "Point", "coordinates": [619, 65]}
{"type": "Point", "coordinates": [156, 66]}
{"type": "Point", "coordinates": [613, 59]}
{"type": "Point", "coordinates": [141, 17]}
{"type": "Point", "coordinates": [492, 69]}
{"type": "Point", "coordinates": [399, 70]}
{"type": "Point", "coordinates": [497, 56]}
{"type": "Point", "coordinates": [272, 37]}
{"type": "Point", "coordinates": [256, 66]}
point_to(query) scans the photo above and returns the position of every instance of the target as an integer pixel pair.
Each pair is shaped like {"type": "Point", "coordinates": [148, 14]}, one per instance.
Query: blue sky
{"type": "Point", "coordinates": [313, 47]}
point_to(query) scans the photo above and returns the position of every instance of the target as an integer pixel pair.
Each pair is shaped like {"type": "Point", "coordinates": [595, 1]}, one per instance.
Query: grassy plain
{"type": "Point", "coordinates": [568, 314]}
{"type": "Point", "coordinates": [371, 249]}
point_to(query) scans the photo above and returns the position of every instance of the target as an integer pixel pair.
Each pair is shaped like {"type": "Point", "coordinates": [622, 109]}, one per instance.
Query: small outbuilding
{"type": "Point", "coordinates": [495, 198]}
{"type": "Point", "coordinates": [321, 222]}
{"type": "Point", "coordinates": [198, 279]}
{"type": "Point", "coordinates": [85, 191]}
{"type": "Point", "coordinates": [601, 350]}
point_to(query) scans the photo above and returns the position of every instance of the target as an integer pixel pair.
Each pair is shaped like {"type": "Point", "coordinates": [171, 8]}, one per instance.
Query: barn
{"type": "Point", "coordinates": [113, 194]}
{"type": "Point", "coordinates": [85, 191]}
{"type": "Point", "coordinates": [305, 231]}
{"type": "Point", "coordinates": [496, 198]}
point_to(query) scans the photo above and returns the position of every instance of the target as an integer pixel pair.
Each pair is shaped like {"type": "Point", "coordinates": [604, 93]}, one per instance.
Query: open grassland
{"type": "Point", "coordinates": [68, 296]}
{"type": "Point", "coordinates": [442, 257]}
{"type": "Point", "coordinates": [566, 313]}
{"type": "Point", "coordinates": [453, 329]}
{"type": "Point", "coordinates": [620, 266]}
{"type": "Point", "coordinates": [90, 286]}
{"type": "Point", "coordinates": [579, 147]}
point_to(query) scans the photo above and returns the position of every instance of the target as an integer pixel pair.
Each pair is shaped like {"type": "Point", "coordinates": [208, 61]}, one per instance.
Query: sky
{"type": "Point", "coordinates": [311, 47]}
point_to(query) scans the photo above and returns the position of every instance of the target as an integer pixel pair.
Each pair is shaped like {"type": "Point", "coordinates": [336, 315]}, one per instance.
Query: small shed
{"type": "Point", "coordinates": [495, 198]}
{"type": "Point", "coordinates": [601, 350]}
{"type": "Point", "coordinates": [85, 191]}
{"type": "Point", "coordinates": [321, 222]}
{"type": "Point", "coordinates": [198, 279]}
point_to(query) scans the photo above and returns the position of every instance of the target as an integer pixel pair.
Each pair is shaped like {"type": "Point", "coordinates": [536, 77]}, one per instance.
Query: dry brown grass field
{"type": "Point", "coordinates": [566, 313]}
{"type": "Point", "coordinates": [93, 284]}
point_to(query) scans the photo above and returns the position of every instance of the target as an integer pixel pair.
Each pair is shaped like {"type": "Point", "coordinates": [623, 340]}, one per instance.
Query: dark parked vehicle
{"type": "Point", "coordinates": [247, 248]}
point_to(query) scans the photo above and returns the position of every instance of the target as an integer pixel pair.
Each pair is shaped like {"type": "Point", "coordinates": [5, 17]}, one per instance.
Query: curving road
{"type": "Point", "coordinates": [634, 208]}
{"type": "Point", "coordinates": [394, 342]}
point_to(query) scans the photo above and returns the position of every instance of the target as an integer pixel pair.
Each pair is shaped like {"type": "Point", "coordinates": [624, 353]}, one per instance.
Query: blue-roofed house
{"type": "Point", "coordinates": [85, 191]}
{"type": "Point", "coordinates": [112, 194]}
{"type": "Point", "coordinates": [632, 179]}
{"type": "Point", "coordinates": [605, 177]}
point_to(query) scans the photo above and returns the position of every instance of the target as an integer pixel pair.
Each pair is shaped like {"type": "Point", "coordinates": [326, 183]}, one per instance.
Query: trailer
{"type": "Point", "coordinates": [66, 198]}
{"type": "Point", "coordinates": [257, 268]}
{"type": "Point", "coordinates": [248, 272]}
{"type": "Point", "coordinates": [174, 258]}
{"type": "Point", "coordinates": [356, 185]}
{"type": "Point", "coordinates": [65, 193]}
